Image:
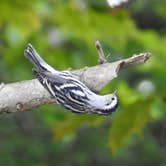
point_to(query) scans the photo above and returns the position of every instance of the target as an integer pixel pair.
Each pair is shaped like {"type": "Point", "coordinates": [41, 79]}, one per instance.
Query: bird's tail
{"type": "Point", "coordinates": [35, 58]}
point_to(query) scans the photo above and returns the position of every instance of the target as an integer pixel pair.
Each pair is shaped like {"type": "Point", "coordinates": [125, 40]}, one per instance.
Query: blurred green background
{"type": "Point", "coordinates": [64, 33]}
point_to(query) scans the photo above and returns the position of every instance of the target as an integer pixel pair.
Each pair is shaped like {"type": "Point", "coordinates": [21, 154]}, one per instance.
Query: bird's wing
{"type": "Point", "coordinates": [55, 78]}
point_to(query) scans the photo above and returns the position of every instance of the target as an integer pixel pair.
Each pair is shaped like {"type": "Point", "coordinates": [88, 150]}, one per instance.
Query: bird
{"type": "Point", "coordinates": [70, 92]}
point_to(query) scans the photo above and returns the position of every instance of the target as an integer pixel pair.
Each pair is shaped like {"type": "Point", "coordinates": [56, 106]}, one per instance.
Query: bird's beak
{"type": "Point", "coordinates": [115, 92]}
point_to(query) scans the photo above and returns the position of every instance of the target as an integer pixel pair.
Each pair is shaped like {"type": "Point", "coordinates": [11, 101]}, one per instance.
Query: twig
{"type": "Point", "coordinates": [136, 59]}
{"type": "Point", "coordinates": [102, 58]}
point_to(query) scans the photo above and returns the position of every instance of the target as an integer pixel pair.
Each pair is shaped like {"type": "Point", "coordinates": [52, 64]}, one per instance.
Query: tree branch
{"type": "Point", "coordinates": [25, 95]}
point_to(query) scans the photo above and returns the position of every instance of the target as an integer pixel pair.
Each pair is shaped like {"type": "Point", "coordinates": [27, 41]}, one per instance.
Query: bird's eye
{"type": "Point", "coordinates": [112, 98]}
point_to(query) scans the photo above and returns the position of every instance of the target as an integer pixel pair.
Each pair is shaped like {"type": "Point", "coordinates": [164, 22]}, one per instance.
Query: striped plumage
{"type": "Point", "coordinates": [69, 91]}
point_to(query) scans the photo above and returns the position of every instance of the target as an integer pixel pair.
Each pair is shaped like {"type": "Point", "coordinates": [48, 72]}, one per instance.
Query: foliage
{"type": "Point", "coordinates": [64, 33]}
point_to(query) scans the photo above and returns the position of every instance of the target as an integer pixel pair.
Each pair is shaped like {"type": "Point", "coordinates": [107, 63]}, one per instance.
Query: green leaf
{"type": "Point", "coordinates": [128, 122]}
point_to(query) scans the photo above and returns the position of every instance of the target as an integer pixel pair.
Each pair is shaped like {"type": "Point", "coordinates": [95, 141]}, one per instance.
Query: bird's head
{"type": "Point", "coordinates": [110, 104]}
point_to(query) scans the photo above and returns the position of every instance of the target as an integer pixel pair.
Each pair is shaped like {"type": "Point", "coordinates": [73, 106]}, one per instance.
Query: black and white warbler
{"type": "Point", "coordinates": [69, 91]}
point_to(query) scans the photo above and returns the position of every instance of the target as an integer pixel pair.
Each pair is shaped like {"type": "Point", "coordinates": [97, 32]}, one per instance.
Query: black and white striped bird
{"type": "Point", "coordinates": [69, 91]}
